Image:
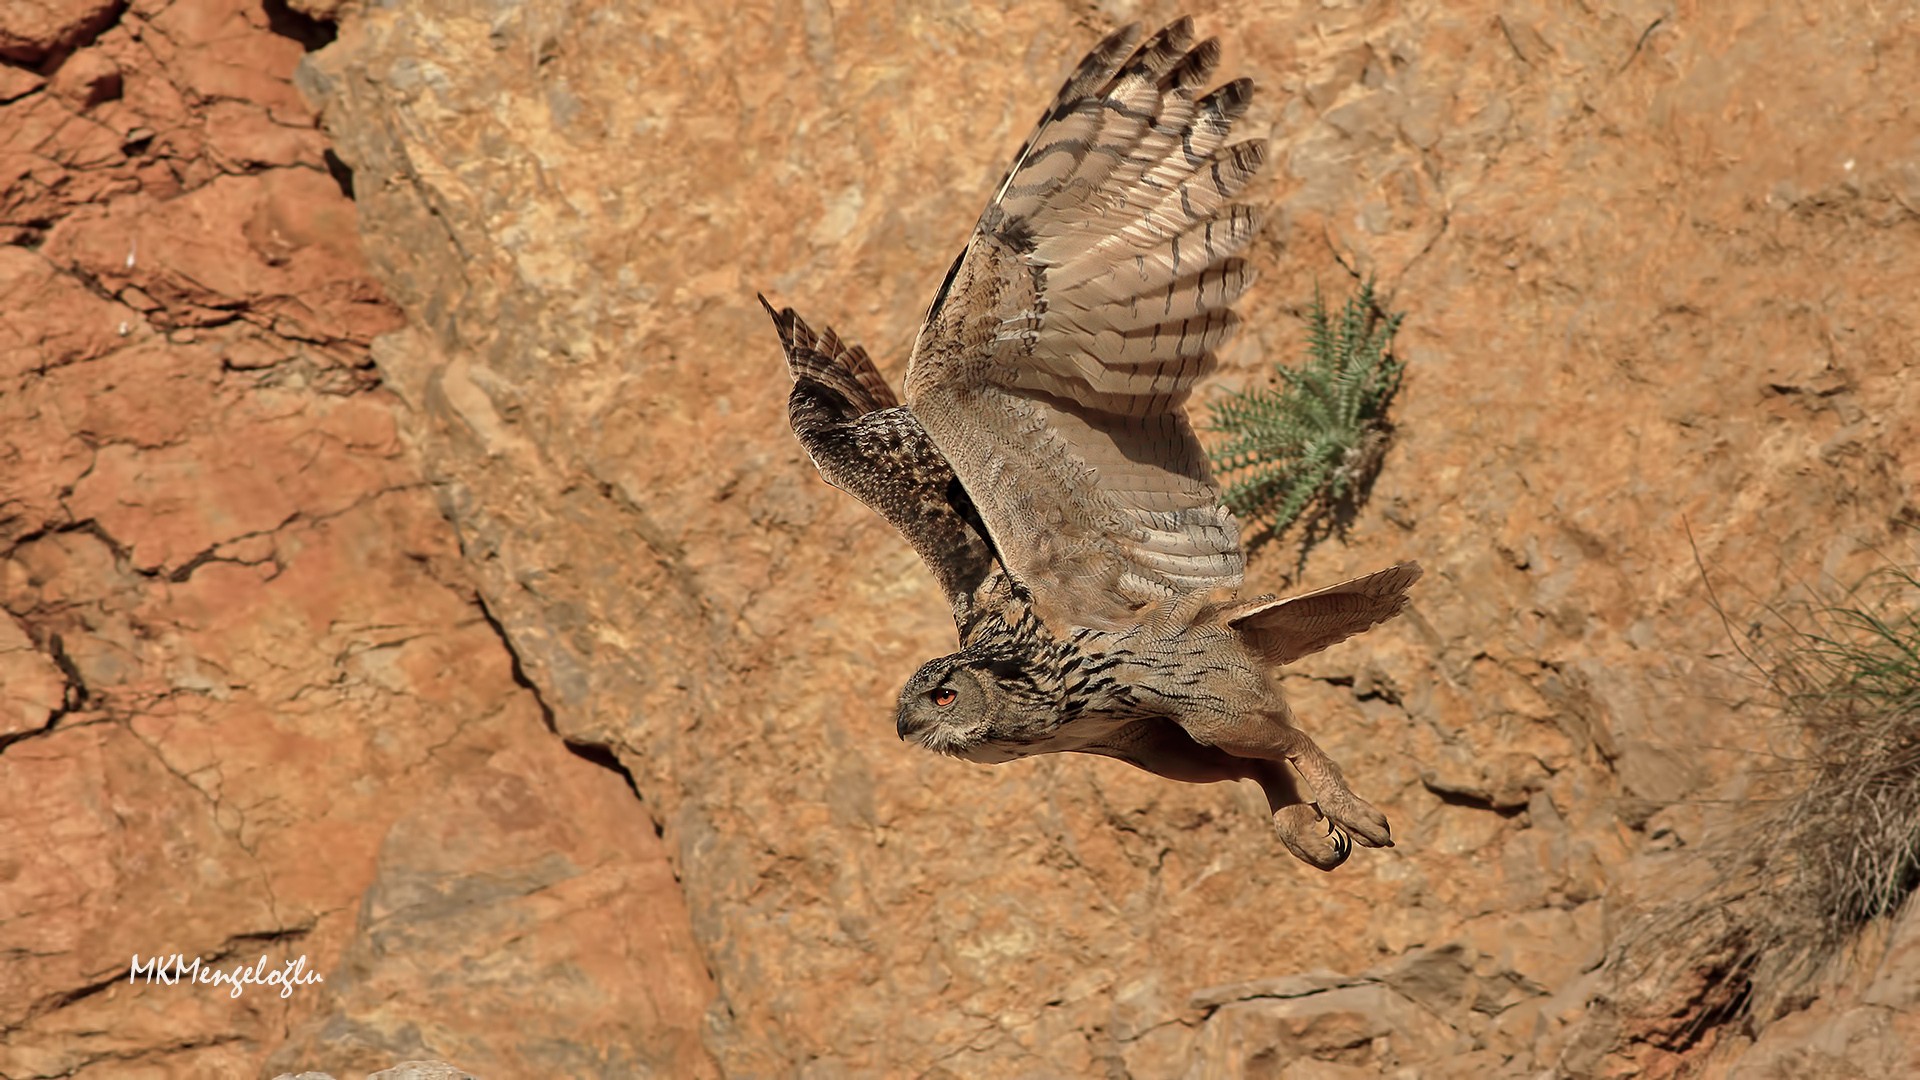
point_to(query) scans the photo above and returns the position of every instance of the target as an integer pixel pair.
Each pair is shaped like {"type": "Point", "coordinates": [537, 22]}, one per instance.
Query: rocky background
{"type": "Point", "coordinates": [405, 564]}
{"type": "Point", "coordinates": [250, 703]}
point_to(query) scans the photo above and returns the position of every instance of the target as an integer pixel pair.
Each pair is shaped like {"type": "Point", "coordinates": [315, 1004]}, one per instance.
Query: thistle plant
{"type": "Point", "coordinates": [1310, 445]}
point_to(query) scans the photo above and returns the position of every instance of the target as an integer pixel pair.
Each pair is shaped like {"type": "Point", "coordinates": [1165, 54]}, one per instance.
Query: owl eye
{"type": "Point", "coordinates": [943, 696]}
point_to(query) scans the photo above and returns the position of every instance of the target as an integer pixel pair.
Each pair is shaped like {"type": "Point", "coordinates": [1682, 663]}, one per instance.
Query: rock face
{"type": "Point", "coordinates": [31, 29]}
{"type": "Point", "coordinates": [1657, 267]}
{"type": "Point", "coordinates": [1651, 261]}
{"type": "Point", "coordinates": [406, 1070]}
{"type": "Point", "coordinates": [250, 707]}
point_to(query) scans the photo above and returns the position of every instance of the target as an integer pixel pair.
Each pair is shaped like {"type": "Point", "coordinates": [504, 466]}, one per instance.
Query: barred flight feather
{"type": "Point", "coordinates": [1111, 256]}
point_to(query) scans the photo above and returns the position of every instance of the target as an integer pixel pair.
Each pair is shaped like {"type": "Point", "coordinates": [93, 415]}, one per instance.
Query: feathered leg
{"type": "Point", "coordinates": [1269, 733]}
{"type": "Point", "coordinates": [1163, 748]}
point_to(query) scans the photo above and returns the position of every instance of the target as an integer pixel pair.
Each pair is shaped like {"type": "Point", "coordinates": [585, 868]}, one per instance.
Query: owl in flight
{"type": "Point", "coordinates": [1044, 469]}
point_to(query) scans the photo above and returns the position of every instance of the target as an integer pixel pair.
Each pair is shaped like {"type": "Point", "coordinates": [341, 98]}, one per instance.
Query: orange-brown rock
{"type": "Point", "coordinates": [32, 687]}
{"type": "Point", "coordinates": [1652, 261]}
{"type": "Point", "coordinates": [87, 78]}
{"type": "Point", "coordinates": [31, 29]}
{"type": "Point", "coordinates": [250, 708]}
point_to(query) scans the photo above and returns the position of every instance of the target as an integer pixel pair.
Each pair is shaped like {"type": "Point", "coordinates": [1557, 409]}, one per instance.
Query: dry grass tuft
{"type": "Point", "coordinates": [1812, 868]}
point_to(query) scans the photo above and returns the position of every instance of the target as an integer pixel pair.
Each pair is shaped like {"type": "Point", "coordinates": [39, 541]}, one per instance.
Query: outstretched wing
{"type": "Point", "coordinates": [1286, 630]}
{"type": "Point", "coordinates": [1053, 368]}
{"type": "Point", "coordinates": [867, 445]}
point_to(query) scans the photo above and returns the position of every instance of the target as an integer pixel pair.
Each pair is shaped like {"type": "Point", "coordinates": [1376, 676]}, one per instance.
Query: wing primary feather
{"type": "Point", "coordinates": [939, 298]}
{"type": "Point", "coordinates": [1094, 71]}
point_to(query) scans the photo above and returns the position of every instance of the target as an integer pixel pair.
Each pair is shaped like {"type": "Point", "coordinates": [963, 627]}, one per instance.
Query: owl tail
{"type": "Point", "coordinates": [1283, 631]}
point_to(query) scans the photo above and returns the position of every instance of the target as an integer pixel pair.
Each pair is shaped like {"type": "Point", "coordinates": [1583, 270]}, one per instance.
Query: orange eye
{"type": "Point", "coordinates": [943, 696]}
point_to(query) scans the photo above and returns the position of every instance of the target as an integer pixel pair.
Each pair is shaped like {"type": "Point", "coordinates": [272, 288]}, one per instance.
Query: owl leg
{"type": "Point", "coordinates": [1271, 736]}
{"type": "Point", "coordinates": [1163, 748]}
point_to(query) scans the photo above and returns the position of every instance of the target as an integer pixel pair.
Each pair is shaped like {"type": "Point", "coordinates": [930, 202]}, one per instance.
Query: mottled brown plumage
{"type": "Point", "coordinates": [1044, 468]}
{"type": "Point", "coordinates": [870, 447]}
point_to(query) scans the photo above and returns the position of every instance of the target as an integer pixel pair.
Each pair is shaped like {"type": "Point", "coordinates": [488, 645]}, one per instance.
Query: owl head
{"type": "Point", "coordinates": [974, 706]}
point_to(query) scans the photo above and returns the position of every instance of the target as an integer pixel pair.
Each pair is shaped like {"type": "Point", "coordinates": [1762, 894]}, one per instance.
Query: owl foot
{"type": "Point", "coordinates": [1312, 839]}
{"type": "Point", "coordinates": [1278, 739]}
{"type": "Point", "coordinates": [1358, 816]}
{"type": "Point", "coordinates": [1336, 800]}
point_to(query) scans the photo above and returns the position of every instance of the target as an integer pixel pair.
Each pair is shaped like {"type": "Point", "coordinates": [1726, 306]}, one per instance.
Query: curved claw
{"type": "Point", "coordinates": [1359, 817]}
{"type": "Point", "coordinates": [1297, 826]}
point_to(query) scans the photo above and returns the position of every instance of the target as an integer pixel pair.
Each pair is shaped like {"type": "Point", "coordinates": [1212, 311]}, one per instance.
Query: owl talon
{"type": "Point", "coordinates": [1357, 816]}
{"type": "Point", "coordinates": [1296, 826]}
{"type": "Point", "coordinates": [1341, 842]}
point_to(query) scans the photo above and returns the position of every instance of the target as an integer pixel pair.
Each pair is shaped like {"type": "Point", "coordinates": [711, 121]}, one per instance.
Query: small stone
{"type": "Point", "coordinates": [423, 1070]}
{"type": "Point", "coordinates": [88, 78]}
{"type": "Point", "coordinates": [318, 10]}
{"type": "Point", "coordinates": [32, 29]}
{"type": "Point", "coordinates": [16, 83]}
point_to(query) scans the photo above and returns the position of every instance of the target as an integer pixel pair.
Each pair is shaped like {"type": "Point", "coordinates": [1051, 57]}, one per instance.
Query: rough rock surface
{"type": "Point", "coordinates": [406, 1070]}
{"type": "Point", "coordinates": [249, 703]}
{"type": "Point", "coordinates": [1654, 261]}
{"type": "Point", "coordinates": [32, 29]}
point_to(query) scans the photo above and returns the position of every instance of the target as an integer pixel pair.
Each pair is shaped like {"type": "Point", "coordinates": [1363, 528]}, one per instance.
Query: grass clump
{"type": "Point", "coordinates": [1308, 448]}
{"type": "Point", "coordinates": [1853, 677]}
{"type": "Point", "coordinates": [1838, 849]}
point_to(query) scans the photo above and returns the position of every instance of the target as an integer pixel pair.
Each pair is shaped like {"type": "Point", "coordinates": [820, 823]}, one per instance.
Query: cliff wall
{"type": "Point", "coordinates": [1656, 263]}
{"type": "Point", "coordinates": [250, 704]}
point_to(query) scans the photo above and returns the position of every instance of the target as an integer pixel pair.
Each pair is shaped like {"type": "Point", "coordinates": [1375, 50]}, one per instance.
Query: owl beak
{"type": "Point", "coordinates": [905, 726]}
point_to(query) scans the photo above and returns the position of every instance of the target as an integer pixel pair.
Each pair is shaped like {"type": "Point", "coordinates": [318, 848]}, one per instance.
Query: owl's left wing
{"type": "Point", "coordinates": [864, 443]}
{"type": "Point", "coordinates": [1053, 367]}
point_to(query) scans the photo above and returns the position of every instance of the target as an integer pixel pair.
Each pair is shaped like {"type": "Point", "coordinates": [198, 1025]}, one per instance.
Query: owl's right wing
{"type": "Point", "coordinates": [864, 443]}
{"type": "Point", "coordinates": [1054, 365]}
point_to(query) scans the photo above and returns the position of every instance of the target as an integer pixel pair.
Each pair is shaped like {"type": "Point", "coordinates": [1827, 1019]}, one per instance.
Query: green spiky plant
{"type": "Point", "coordinates": [1302, 449]}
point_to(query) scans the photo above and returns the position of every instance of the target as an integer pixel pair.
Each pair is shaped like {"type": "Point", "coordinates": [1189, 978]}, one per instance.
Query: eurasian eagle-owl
{"type": "Point", "coordinates": [1044, 468]}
